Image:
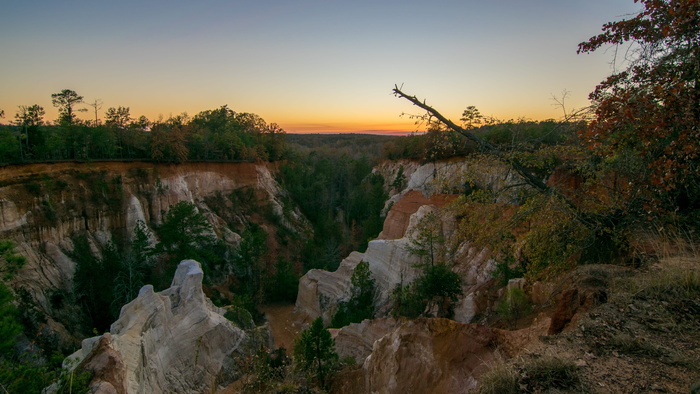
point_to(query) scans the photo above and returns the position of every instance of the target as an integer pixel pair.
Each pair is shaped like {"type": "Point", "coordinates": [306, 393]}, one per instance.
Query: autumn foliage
{"type": "Point", "coordinates": [647, 117]}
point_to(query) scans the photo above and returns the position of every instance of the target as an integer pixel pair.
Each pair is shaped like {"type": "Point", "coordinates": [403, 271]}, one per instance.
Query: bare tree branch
{"type": "Point", "coordinates": [486, 147]}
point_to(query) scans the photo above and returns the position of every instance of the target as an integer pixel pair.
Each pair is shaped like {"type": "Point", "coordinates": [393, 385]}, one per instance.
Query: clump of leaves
{"type": "Point", "coordinates": [406, 302]}
{"type": "Point", "coordinates": [10, 262]}
{"type": "Point", "coordinates": [507, 270]}
{"type": "Point", "coordinates": [436, 290]}
{"type": "Point", "coordinates": [652, 109]}
{"type": "Point", "coordinates": [9, 323]}
{"type": "Point", "coordinates": [543, 233]}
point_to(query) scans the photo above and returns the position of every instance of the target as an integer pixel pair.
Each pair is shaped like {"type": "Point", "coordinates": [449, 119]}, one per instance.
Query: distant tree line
{"type": "Point", "coordinates": [440, 143]}
{"type": "Point", "coordinates": [220, 134]}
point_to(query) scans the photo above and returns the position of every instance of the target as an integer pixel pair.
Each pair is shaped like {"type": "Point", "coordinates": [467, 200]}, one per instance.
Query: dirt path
{"type": "Point", "coordinates": [283, 323]}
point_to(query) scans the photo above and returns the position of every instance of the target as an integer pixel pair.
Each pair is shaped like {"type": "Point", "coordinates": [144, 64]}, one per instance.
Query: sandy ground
{"type": "Point", "coordinates": [283, 323]}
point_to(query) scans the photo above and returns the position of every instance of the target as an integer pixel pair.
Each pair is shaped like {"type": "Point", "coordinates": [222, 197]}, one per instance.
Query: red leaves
{"type": "Point", "coordinates": [653, 108]}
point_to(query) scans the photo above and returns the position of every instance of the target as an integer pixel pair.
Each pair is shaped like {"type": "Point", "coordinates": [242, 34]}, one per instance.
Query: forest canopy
{"type": "Point", "coordinates": [212, 135]}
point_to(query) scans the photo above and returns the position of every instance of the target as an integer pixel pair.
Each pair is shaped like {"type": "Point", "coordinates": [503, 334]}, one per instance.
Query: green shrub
{"type": "Point", "coordinates": [513, 305]}
{"type": "Point", "coordinates": [240, 317]}
{"type": "Point", "coordinates": [440, 287]}
{"type": "Point", "coordinates": [18, 377]}
{"type": "Point", "coordinates": [505, 271]}
{"type": "Point", "coordinates": [436, 289]}
{"type": "Point", "coordinates": [9, 323]}
{"type": "Point", "coordinates": [406, 303]}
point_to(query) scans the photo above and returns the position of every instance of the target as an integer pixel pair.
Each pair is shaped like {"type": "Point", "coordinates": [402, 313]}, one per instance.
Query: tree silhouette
{"type": "Point", "coordinates": [66, 100]}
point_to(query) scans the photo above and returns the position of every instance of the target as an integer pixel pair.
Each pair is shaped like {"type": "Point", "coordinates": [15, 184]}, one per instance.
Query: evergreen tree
{"type": "Point", "coordinates": [314, 352]}
{"type": "Point", "coordinates": [361, 303]}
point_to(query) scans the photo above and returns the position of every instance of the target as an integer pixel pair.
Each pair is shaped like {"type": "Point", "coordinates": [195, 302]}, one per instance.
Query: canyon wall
{"type": "Point", "coordinates": [44, 206]}
{"type": "Point", "coordinates": [427, 189]}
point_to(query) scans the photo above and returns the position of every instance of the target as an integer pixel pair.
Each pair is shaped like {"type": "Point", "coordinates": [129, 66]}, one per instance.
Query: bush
{"type": "Point", "coordinates": [439, 286]}
{"type": "Point", "coordinates": [16, 377]}
{"type": "Point", "coordinates": [514, 305]}
{"type": "Point", "coordinates": [505, 272]}
{"type": "Point", "coordinates": [267, 370]}
{"type": "Point", "coordinates": [9, 323]}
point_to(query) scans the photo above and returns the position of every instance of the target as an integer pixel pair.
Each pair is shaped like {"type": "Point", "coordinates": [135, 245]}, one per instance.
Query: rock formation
{"type": "Point", "coordinates": [44, 206]}
{"type": "Point", "coordinates": [357, 339]}
{"type": "Point", "coordinates": [416, 356]}
{"type": "Point", "coordinates": [390, 261]}
{"type": "Point", "coordinates": [172, 341]}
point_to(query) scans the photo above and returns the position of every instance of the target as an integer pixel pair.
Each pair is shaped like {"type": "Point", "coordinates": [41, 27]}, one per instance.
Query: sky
{"type": "Point", "coordinates": [308, 65]}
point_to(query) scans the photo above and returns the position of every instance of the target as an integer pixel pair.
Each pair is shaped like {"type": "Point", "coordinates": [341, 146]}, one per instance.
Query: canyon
{"type": "Point", "coordinates": [43, 207]}
{"type": "Point", "coordinates": [176, 339]}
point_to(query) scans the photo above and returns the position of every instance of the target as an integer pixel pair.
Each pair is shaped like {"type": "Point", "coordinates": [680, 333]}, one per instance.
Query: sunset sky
{"type": "Point", "coordinates": [308, 65]}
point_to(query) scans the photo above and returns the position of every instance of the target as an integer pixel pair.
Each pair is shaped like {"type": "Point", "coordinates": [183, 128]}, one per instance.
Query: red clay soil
{"type": "Point", "coordinates": [400, 213]}
{"type": "Point", "coordinates": [18, 173]}
{"type": "Point", "coordinates": [284, 325]}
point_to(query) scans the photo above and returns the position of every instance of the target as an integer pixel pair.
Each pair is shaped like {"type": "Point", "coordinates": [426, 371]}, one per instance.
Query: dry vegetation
{"type": "Point", "coordinates": [645, 338]}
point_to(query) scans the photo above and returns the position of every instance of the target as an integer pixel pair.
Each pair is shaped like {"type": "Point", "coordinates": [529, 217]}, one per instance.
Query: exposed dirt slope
{"type": "Point", "coordinates": [644, 337]}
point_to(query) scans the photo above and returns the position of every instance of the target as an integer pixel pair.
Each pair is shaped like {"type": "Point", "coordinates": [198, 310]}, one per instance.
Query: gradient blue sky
{"type": "Point", "coordinates": [308, 65]}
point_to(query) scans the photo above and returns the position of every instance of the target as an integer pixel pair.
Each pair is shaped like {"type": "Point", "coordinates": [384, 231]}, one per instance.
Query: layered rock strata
{"type": "Point", "coordinates": [389, 257]}
{"type": "Point", "coordinates": [44, 206]}
{"type": "Point", "coordinates": [415, 356]}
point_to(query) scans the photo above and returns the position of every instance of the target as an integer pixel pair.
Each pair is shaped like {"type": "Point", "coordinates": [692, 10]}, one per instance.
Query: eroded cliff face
{"type": "Point", "coordinates": [390, 259]}
{"type": "Point", "coordinates": [425, 355]}
{"type": "Point", "coordinates": [44, 206]}
{"type": "Point", "coordinates": [172, 341]}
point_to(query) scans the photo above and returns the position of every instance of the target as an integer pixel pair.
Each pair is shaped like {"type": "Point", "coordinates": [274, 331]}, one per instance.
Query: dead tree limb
{"type": "Point", "coordinates": [488, 148]}
{"type": "Point", "coordinates": [484, 146]}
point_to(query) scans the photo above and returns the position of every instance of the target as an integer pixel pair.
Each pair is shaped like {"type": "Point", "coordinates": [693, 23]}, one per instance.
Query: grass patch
{"type": "Point", "coordinates": [628, 344]}
{"type": "Point", "coordinates": [534, 374]}
{"type": "Point", "coordinates": [668, 285]}
{"type": "Point", "coordinates": [501, 379]}
{"type": "Point", "coordinates": [549, 372]}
